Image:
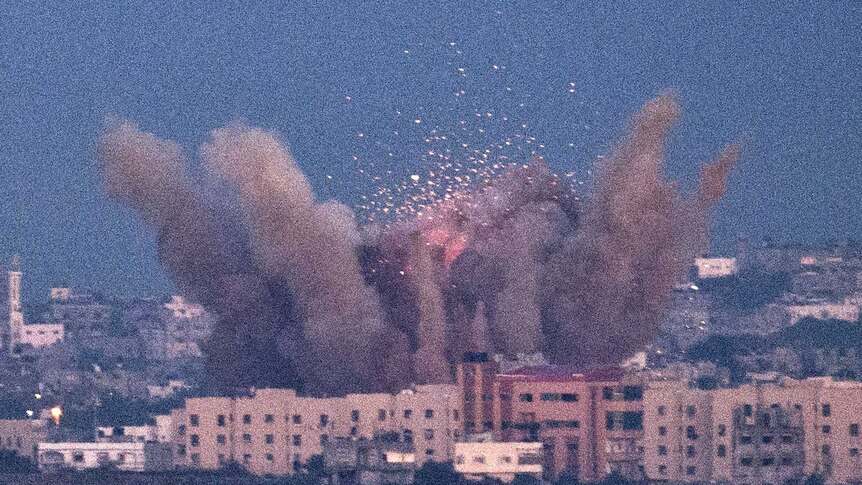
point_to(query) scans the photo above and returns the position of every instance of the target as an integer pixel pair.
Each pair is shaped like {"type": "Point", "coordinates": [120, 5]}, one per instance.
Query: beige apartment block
{"type": "Point", "coordinates": [276, 432]}
{"type": "Point", "coordinates": [591, 423]}
{"type": "Point", "coordinates": [760, 433]}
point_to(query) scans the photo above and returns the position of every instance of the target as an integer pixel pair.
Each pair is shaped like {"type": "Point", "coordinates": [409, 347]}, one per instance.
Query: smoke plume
{"type": "Point", "coordinates": [307, 299]}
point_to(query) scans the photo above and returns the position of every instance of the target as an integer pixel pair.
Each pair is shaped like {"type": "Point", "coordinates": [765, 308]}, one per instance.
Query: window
{"type": "Point", "coordinates": [690, 470]}
{"type": "Point", "coordinates": [624, 420]}
{"type": "Point", "coordinates": [786, 461]}
{"type": "Point", "coordinates": [194, 419]}
{"type": "Point", "coordinates": [246, 419]}
{"type": "Point", "coordinates": [429, 434]}
{"type": "Point", "coordinates": [181, 430]}
{"type": "Point", "coordinates": [455, 415]}
{"type": "Point", "coordinates": [633, 393]}
{"type": "Point", "coordinates": [826, 429]}
{"type": "Point", "coordinates": [297, 419]}
{"type": "Point", "coordinates": [246, 459]}
{"type": "Point", "coordinates": [269, 457]}
{"type": "Point", "coordinates": [547, 396]}
{"type": "Point", "coordinates": [827, 410]}
{"type": "Point", "coordinates": [504, 459]}
{"type": "Point", "coordinates": [526, 397]}
{"type": "Point", "coordinates": [268, 418]}
{"type": "Point", "coordinates": [381, 414]}
{"type": "Point", "coordinates": [826, 449]}
{"type": "Point", "coordinates": [297, 440]}
{"type": "Point", "coordinates": [721, 451]}
{"type": "Point", "coordinates": [690, 411]}
{"type": "Point", "coordinates": [661, 410]}
{"type": "Point", "coordinates": [722, 430]}
{"type": "Point", "coordinates": [745, 440]}
{"type": "Point", "coordinates": [324, 420]}
{"type": "Point", "coordinates": [854, 429]}
{"type": "Point", "coordinates": [690, 433]}
{"type": "Point", "coordinates": [690, 451]}
{"type": "Point", "coordinates": [662, 450]}
{"type": "Point", "coordinates": [221, 459]}
{"type": "Point", "coordinates": [196, 458]}
{"type": "Point", "coordinates": [220, 420]}
{"type": "Point", "coordinates": [354, 415]}
{"type": "Point", "coordinates": [246, 438]}
{"type": "Point", "coordinates": [767, 439]}
{"type": "Point", "coordinates": [268, 439]}
{"type": "Point", "coordinates": [662, 469]}
{"type": "Point", "coordinates": [747, 410]}
{"type": "Point", "coordinates": [408, 413]}
{"type": "Point", "coordinates": [746, 461]}
{"type": "Point", "coordinates": [429, 413]}
{"type": "Point", "coordinates": [479, 459]}
{"type": "Point", "coordinates": [569, 397]}
{"type": "Point", "coordinates": [768, 461]}
{"type": "Point", "coordinates": [324, 438]}
{"type": "Point", "coordinates": [854, 451]}
{"type": "Point", "coordinates": [297, 462]}
{"type": "Point", "coordinates": [221, 439]}
{"type": "Point", "coordinates": [78, 457]}
{"type": "Point", "coordinates": [787, 439]}
{"type": "Point", "coordinates": [408, 436]}
{"type": "Point", "coordinates": [662, 431]}
{"type": "Point", "coordinates": [195, 440]}
{"type": "Point", "coordinates": [354, 431]}
{"type": "Point", "coordinates": [181, 450]}
{"type": "Point", "coordinates": [608, 393]}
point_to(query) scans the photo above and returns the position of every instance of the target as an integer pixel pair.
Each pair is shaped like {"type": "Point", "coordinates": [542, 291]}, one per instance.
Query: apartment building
{"type": "Point", "coordinates": [276, 432]}
{"type": "Point", "coordinates": [760, 433]}
{"type": "Point", "coordinates": [590, 423]}
{"type": "Point", "coordinates": [475, 377]}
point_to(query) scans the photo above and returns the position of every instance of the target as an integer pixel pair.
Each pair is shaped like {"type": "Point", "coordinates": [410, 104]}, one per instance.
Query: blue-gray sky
{"type": "Point", "coordinates": [784, 78]}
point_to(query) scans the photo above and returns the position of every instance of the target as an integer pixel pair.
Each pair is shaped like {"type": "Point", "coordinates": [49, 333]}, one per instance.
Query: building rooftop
{"type": "Point", "coordinates": [553, 372]}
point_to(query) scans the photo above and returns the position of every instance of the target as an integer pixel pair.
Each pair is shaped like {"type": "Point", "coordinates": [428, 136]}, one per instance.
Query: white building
{"type": "Point", "coordinates": [715, 267]}
{"type": "Point", "coordinates": [168, 390]}
{"type": "Point", "coordinates": [498, 460]}
{"type": "Point", "coordinates": [35, 335]}
{"type": "Point", "coordinates": [824, 310]}
{"type": "Point", "coordinates": [136, 457]}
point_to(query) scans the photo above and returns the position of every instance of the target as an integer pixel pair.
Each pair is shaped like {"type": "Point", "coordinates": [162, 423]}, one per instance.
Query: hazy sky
{"type": "Point", "coordinates": [783, 79]}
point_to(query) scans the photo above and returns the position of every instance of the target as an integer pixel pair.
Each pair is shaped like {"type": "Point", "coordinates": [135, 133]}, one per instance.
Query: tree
{"type": "Point", "coordinates": [524, 479]}
{"type": "Point", "coordinates": [434, 473]}
{"type": "Point", "coordinates": [568, 478]}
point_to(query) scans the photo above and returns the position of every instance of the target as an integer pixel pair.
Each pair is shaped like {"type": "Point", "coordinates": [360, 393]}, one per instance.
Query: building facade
{"type": "Point", "coordinates": [22, 436]}
{"type": "Point", "coordinates": [590, 424]}
{"type": "Point", "coordinates": [763, 433]}
{"type": "Point", "coordinates": [499, 460]}
{"type": "Point", "coordinates": [132, 456]}
{"type": "Point", "coordinates": [276, 432]}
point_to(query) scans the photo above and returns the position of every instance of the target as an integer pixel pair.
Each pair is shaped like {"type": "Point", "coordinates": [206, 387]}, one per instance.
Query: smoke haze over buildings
{"type": "Point", "coordinates": [306, 298]}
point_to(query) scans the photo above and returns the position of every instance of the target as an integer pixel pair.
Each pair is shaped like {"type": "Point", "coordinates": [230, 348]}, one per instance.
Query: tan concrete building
{"type": "Point", "coordinates": [590, 423]}
{"type": "Point", "coordinates": [475, 376]}
{"type": "Point", "coordinates": [276, 432]}
{"type": "Point", "coordinates": [761, 433]}
{"type": "Point", "coordinates": [22, 436]}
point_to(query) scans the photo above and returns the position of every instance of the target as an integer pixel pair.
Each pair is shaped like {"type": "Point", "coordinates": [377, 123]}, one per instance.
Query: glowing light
{"type": "Point", "coordinates": [56, 413]}
{"type": "Point", "coordinates": [37, 396]}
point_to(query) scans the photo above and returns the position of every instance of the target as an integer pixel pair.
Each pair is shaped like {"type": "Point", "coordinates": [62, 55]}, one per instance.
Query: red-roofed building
{"type": "Point", "coordinates": [591, 422]}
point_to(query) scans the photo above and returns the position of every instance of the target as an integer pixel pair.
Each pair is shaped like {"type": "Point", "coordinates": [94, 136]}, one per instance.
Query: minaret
{"type": "Point", "coordinates": [16, 317]}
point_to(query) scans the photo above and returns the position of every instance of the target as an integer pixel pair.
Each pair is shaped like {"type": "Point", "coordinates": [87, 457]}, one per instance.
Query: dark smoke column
{"type": "Point", "coordinates": [311, 246]}
{"type": "Point", "coordinates": [606, 288]}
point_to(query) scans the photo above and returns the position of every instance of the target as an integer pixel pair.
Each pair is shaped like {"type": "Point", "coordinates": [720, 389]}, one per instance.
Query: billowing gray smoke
{"type": "Point", "coordinates": [520, 265]}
